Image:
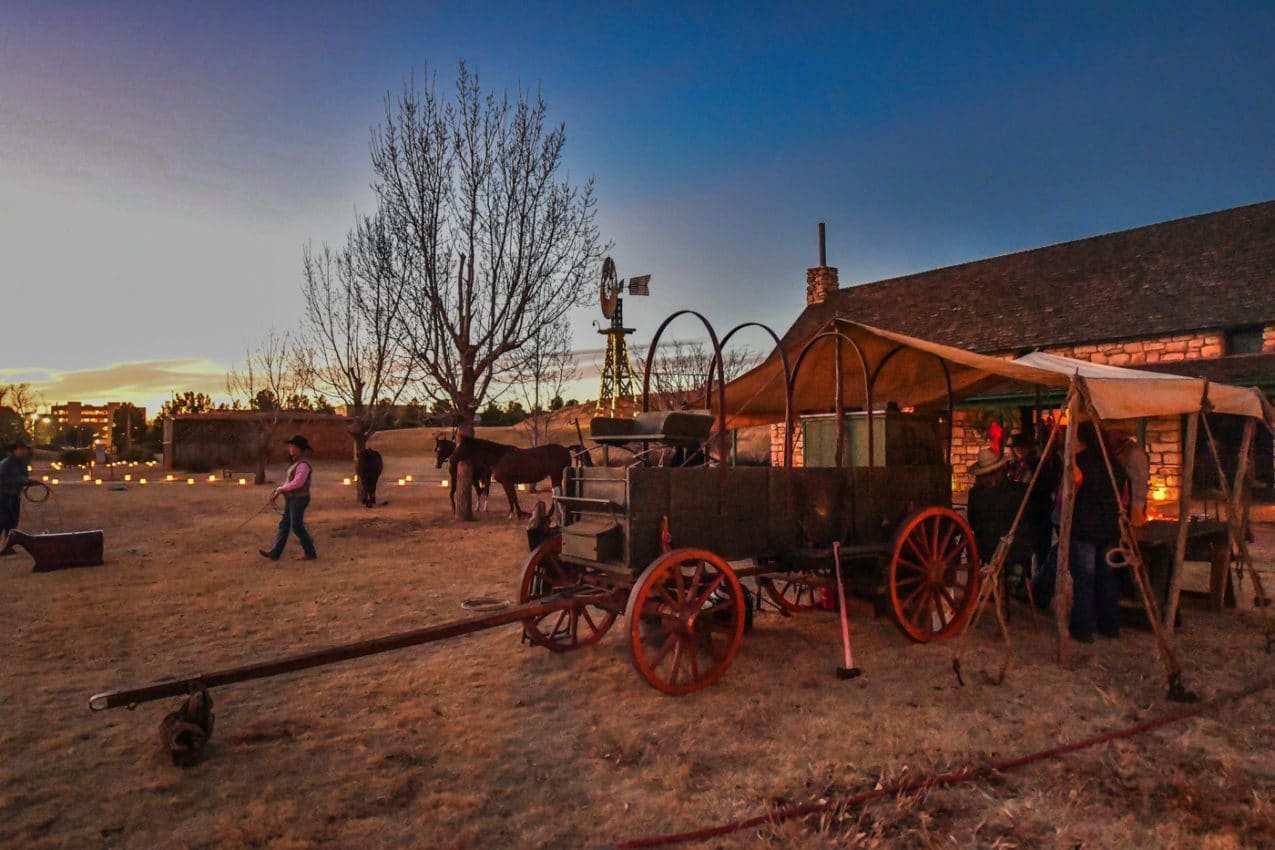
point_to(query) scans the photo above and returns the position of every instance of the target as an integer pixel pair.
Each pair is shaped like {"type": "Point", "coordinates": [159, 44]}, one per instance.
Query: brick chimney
{"type": "Point", "coordinates": [822, 279]}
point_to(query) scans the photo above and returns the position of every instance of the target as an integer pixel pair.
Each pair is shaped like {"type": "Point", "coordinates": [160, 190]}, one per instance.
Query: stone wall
{"type": "Point", "coordinates": [966, 441]}
{"type": "Point", "coordinates": [1202, 345]}
{"type": "Point", "coordinates": [777, 445]}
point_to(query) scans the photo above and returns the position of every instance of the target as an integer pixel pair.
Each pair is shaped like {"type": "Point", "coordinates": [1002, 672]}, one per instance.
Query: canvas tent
{"type": "Point", "coordinates": [877, 367]}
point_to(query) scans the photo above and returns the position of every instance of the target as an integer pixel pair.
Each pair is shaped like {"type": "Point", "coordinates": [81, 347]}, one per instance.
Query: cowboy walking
{"type": "Point", "coordinates": [296, 494]}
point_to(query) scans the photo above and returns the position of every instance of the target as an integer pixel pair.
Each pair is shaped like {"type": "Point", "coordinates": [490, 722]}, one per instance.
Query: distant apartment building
{"type": "Point", "coordinates": [98, 417]}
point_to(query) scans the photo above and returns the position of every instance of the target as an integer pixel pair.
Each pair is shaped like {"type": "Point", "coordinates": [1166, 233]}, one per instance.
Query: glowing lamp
{"type": "Point", "coordinates": [141, 481]}
{"type": "Point", "coordinates": [345, 481]}
{"type": "Point", "coordinates": [88, 477]}
{"type": "Point", "coordinates": [409, 478]}
{"type": "Point", "coordinates": [190, 481]}
{"type": "Point", "coordinates": [128, 478]}
{"type": "Point", "coordinates": [169, 478]}
{"type": "Point", "coordinates": [54, 482]}
{"type": "Point", "coordinates": [402, 482]}
{"type": "Point", "coordinates": [45, 478]}
{"type": "Point", "coordinates": [443, 483]}
{"type": "Point", "coordinates": [243, 481]}
{"type": "Point", "coordinates": [212, 478]}
{"type": "Point", "coordinates": [98, 482]}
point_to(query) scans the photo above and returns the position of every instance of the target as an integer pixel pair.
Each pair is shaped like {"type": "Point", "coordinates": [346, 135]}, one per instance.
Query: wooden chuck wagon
{"type": "Point", "coordinates": [662, 530]}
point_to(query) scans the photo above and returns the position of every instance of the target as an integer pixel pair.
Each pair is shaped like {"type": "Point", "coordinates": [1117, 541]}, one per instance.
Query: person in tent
{"type": "Point", "coordinates": [993, 503]}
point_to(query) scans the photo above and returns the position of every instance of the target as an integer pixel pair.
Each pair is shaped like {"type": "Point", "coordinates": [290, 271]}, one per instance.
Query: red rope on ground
{"type": "Point", "coordinates": [942, 779]}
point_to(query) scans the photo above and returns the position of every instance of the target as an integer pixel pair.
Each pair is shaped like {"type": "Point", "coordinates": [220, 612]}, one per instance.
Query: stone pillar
{"type": "Point", "coordinates": [777, 445]}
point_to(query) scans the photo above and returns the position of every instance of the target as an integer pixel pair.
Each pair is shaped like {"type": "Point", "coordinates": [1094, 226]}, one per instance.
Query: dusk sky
{"type": "Point", "coordinates": [162, 165]}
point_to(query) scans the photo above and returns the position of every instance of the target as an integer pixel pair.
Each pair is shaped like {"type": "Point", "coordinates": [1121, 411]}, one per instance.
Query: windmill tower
{"type": "Point", "coordinates": [617, 371]}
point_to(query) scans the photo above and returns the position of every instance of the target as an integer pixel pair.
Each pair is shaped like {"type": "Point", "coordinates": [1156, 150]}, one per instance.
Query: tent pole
{"type": "Point", "coordinates": [991, 576]}
{"type": "Point", "coordinates": [1062, 580]}
{"type": "Point", "coordinates": [839, 408]}
{"type": "Point", "coordinates": [1184, 515]}
{"type": "Point", "coordinates": [1235, 529]}
{"type": "Point", "coordinates": [1133, 556]}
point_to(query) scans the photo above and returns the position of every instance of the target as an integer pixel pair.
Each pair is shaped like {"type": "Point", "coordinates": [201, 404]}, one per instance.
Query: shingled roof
{"type": "Point", "coordinates": [1215, 270]}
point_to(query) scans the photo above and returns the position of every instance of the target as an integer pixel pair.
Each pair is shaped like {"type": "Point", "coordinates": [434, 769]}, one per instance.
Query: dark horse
{"type": "Point", "coordinates": [529, 466]}
{"type": "Point", "coordinates": [369, 469]}
{"type": "Point", "coordinates": [480, 463]}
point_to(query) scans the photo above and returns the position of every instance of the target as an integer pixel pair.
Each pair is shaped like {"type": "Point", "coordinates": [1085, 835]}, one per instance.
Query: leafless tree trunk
{"type": "Point", "coordinates": [265, 383]}
{"type": "Point", "coordinates": [351, 346]}
{"type": "Point", "coordinates": [479, 177]}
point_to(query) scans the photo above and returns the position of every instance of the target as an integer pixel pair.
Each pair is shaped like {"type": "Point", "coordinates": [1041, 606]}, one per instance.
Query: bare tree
{"type": "Point", "coordinates": [476, 183]}
{"type": "Point", "coordinates": [266, 383]}
{"type": "Point", "coordinates": [351, 348]}
{"type": "Point", "coordinates": [540, 372]}
{"type": "Point", "coordinates": [24, 402]}
{"type": "Point", "coordinates": [679, 372]}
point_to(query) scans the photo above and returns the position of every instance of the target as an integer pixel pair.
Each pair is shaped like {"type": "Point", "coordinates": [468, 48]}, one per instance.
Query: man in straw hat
{"type": "Point", "coordinates": [14, 474]}
{"type": "Point", "coordinates": [993, 502]}
{"type": "Point", "coordinates": [296, 495]}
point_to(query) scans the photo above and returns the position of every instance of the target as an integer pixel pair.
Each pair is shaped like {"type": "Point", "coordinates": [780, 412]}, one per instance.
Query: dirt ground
{"type": "Point", "coordinates": [482, 742]}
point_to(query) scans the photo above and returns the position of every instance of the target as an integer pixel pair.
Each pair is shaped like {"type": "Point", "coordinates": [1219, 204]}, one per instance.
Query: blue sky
{"type": "Point", "coordinates": [161, 165]}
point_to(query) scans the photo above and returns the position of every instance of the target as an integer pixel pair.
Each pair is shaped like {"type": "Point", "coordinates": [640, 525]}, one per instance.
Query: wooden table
{"type": "Point", "coordinates": [1207, 540]}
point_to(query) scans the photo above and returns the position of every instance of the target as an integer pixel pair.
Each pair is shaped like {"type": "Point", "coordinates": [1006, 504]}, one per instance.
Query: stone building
{"type": "Point", "coordinates": [1194, 296]}
{"type": "Point", "coordinates": [228, 439]}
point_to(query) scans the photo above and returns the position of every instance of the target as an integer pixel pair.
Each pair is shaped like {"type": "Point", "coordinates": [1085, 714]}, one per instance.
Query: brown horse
{"type": "Point", "coordinates": [529, 466]}
{"type": "Point", "coordinates": [481, 454]}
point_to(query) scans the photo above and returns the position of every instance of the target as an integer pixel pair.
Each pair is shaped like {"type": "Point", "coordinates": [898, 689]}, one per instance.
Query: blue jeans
{"type": "Point", "coordinates": [1095, 591]}
{"type": "Point", "coordinates": [293, 519]}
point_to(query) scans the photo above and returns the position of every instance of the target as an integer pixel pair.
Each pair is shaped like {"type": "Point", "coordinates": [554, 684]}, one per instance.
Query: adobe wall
{"type": "Point", "coordinates": [194, 443]}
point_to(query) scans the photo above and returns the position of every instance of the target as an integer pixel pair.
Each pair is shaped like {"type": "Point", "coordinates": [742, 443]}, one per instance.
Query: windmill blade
{"type": "Point", "coordinates": [640, 285]}
{"type": "Point", "coordinates": [609, 297]}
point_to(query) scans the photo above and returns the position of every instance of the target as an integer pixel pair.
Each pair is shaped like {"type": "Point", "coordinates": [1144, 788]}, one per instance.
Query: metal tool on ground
{"type": "Point", "coordinates": [849, 671]}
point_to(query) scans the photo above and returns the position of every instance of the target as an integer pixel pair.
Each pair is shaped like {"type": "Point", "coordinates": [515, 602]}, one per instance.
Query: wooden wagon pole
{"type": "Point", "coordinates": [1062, 581]}
{"type": "Point", "coordinates": [1133, 556]}
{"type": "Point", "coordinates": [1184, 511]}
{"type": "Point", "coordinates": [991, 576]}
{"type": "Point", "coordinates": [1234, 523]}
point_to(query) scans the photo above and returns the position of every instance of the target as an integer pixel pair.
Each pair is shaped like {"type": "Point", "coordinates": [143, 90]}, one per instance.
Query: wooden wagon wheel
{"type": "Point", "coordinates": [792, 593]}
{"type": "Point", "coordinates": [686, 620]}
{"type": "Point", "coordinates": [561, 631]}
{"type": "Point", "coordinates": [933, 574]}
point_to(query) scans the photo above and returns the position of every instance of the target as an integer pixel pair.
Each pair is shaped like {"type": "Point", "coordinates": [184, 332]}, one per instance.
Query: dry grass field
{"type": "Point", "coordinates": [482, 742]}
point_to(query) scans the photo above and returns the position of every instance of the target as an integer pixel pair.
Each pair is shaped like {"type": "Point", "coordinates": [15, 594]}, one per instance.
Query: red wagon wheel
{"type": "Point", "coordinates": [571, 628]}
{"type": "Point", "coordinates": [792, 593]}
{"type": "Point", "coordinates": [686, 620]}
{"type": "Point", "coordinates": [933, 574]}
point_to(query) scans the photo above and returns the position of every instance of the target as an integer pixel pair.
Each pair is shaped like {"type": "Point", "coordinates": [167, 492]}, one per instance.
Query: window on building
{"type": "Point", "coordinates": [1244, 340]}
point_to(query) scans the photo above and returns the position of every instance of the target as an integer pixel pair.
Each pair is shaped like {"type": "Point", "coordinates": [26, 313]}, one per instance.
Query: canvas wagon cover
{"type": "Point", "coordinates": [914, 372]}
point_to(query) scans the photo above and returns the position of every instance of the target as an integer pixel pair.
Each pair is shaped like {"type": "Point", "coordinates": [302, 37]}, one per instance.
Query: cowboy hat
{"type": "Point", "coordinates": [988, 461]}
{"type": "Point", "coordinates": [300, 442]}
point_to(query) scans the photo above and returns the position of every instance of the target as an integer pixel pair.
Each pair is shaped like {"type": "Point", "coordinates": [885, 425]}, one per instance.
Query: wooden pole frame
{"type": "Point", "coordinates": [1184, 510]}
{"type": "Point", "coordinates": [1062, 601]}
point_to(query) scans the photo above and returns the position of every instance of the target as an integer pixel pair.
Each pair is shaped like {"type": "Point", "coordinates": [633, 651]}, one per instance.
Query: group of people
{"type": "Point", "coordinates": [1000, 485]}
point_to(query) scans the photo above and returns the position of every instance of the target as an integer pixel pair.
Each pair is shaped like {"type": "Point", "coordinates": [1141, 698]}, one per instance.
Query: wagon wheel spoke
{"type": "Point", "coordinates": [712, 588]}
{"type": "Point", "coordinates": [696, 578]}
{"type": "Point", "coordinates": [924, 587]}
{"type": "Point", "coordinates": [912, 544]}
{"type": "Point", "coordinates": [677, 660]}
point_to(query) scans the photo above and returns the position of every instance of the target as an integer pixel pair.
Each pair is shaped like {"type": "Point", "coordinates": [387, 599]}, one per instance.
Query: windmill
{"type": "Point", "coordinates": [617, 372]}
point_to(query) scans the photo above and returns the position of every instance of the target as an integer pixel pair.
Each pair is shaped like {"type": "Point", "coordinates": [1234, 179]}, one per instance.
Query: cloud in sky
{"type": "Point", "coordinates": [146, 382]}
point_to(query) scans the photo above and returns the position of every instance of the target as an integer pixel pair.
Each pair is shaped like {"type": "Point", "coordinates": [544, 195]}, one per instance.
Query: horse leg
{"type": "Point", "coordinates": [511, 493]}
